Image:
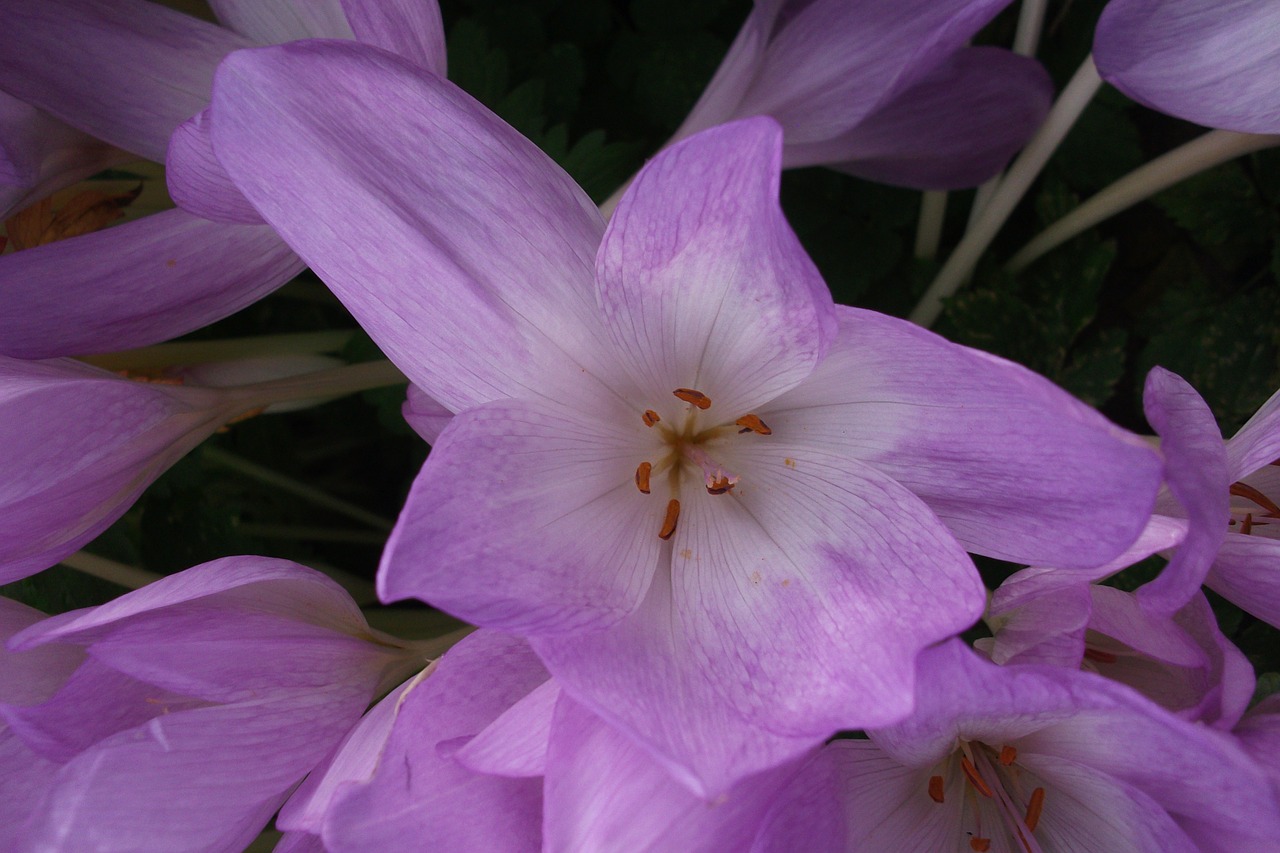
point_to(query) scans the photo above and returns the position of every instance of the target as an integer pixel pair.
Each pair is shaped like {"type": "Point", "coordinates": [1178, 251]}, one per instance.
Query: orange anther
{"type": "Point", "coordinates": [1008, 755]}
{"type": "Point", "coordinates": [1243, 490]}
{"type": "Point", "coordinates": [1034, 808]}
{"type": "Point", "coordinates": [694, 398]}
{"type": "Point", "coordinates": [719, 486]}
{"type": "Point", "coordinates": [642, 476]}
{"type": "Point", "coordinates": [752, 423]}
{"type": "Point", "coordinates": [1246, 524]}
{"type": "Point", "coordinates": [981, 845]}
{"type": "Point", "coordinates": [935, 788]}
{"type": "Point", "coordinates": [971, 773]}
{"type": "Point", "coordinates": [650, 417]}
{"type": "Point", "coordinates": [669, 522]}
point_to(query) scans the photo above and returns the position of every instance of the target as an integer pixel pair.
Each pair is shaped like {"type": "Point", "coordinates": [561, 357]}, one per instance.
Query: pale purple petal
{"type": "Point", "coordinates": [604, 793]}
{"type": "Point", "coordinates": [644, 677]}
{"type": "Point", "coordinates": [831, 64]}
{"type": "Point", "coordinates": [703, 283]}
{"type": "Point", "coordinates": [955, 128]}
{"type": "Point", "coordinates": [416, 793]}
{"type": "Point", "coordinates": [340, 145]}
{"type": "Point", "coordinates": [1116, 614]}
{"type": "Point", "coordinates": [298, 842]}
{"type": "Point", "coordinates": [515, 744]}
{"type": "Point", "coordinates": [1245, 574]}
{"type": "Point", "coordinates": [40, 155]}
{"type": "Point", "coordinates": [197, 182]}
{"type": "Point", "coordinates": [125, 71]}
{"type": "Point", "coordinates": [1259, 734]}
{"type": "Point", "coordinates": [24, 777]}
{"type": "Point", "coordinates": [811, 555]}
{"type": "Point", "coordinates": [809, 814]}
{"type": "Point", "coordinates": [1196, 471]}
{"type": "Point", "coordinates": [31, 676]}
{"type": "Point", "coordinates": [135, 284]}
{"type": "Point", "coordinates": [1258, 441]}
{"type": "Point", "coordinates": [427, 416]}
{"type": "Point", "coordinates": [1212, 62]}
{"type": "Point", "coordinates": [1013, 465]}
{"type": "Point", "coordinates": [80, 445]}
{"type": "Point", "coordinates": [272, 21]}
{"type": "Point", "coordinates": [526, 517]}
{"type": "Point", "coordinates": [1048, 628]}
{"type": "Point", "coordinates": [411, 28]}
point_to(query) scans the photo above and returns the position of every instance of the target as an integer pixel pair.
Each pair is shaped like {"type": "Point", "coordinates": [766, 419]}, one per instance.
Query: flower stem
{"type": "Point", "coordinates": [126, 576]}
{"type": "Point", "coordinates": [230, 349]}
{"type": "Point", "coordinates": [933, 212]}
{"type": "Point", "coordinates": [294, 487]}
{"type": "Point", "coordinates": [1030, 23]}
{"type": "Point", "coordinates": [320, 384]}
{"type": "Point", "coordinates": [1205, 152]}
{"type": "Point", "coordinates": [1070, 104]}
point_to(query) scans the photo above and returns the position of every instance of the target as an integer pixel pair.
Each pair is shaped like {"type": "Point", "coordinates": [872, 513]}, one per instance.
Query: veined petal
{"type": "Point", "coordinates": [702, 282]}
{"type": "Point", "coordinates": [515, 744]}
{"type": "Point", "coordinates": [526, 517]}
{"type": "Point", "coordinates": [1258, 442]}
{"type": "Point", "coordinates": [30, 676]}
{"type": "Point", "coordinates": [273, 21]}
{"type": "Point", "coordinates": [462, 249]}
{"type": "Point", "coordinates": [197, 182]}
{"type": "Point", "coordinates": [135, 284]}
{"type": "Point", "coordinates": [812, 555]}
{"type": "Point", "coordinates": [427, 416]}
{"type": "Point", "coordinates": [831, 65]}
{"type": "Point", "coordinates": [24, 777]}
{"type": "Point", "coordinates": [1014, 466]}
{"type": "Point", "coordinates": [411, 28]}
{"type": "Point", "coordinates": [955, 128]}
{"type": "Point", "coordinates": [1196, 471]}
{"type": "Point", "coordinates": [125, 71]}
{"type": "Point", "coordinates": [1046, 628]}
{"type": "Point", "coordinates": [1207, 61]}
{"type": "Point", "coordinates": [1245, 574]}
{"type": "Point", "coordinates": [644, 677]}
{"type": "Point", "coordinates": [604, 793]}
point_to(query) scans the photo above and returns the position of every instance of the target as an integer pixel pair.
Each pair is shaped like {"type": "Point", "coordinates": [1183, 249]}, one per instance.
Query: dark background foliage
{"type": "Point", "coordinates": [1188, 280]}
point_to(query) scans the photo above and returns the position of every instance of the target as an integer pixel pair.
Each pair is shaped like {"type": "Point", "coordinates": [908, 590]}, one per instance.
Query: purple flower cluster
{"type": "Point", "coordinates": [714, 529]}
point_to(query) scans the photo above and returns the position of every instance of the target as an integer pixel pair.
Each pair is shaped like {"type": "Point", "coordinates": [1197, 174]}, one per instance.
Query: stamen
{"type": "Point", "coordinates": [720, 486]}
{"type": "Point", "coordinates": [642, 477]}
{"type": "Point", "coordinates": [971, 773]}
{"type": "Point", "coordinates": [752, 423]}
{"type": "Point", "coordinates": [1246, 524]}
{"type": "Point", "coordinates": [935, 788]}
{"type": "Point", "coordinates": [694, 398]}
{"type": "Point", "coordinates": [1034, 808]}
{"type": "Point", "coordinates": [1243, 490]}
{"type": "Point", "coordinates": [669, 522]}
{"type": "Point", "coordinates": [981, 845]}
{"type": "Point", "coordinates": [1099, 656]}
{"type": "Point", "coordinates": [1008, 755]}
{"type": "Point", "coordinates": [650, 417]}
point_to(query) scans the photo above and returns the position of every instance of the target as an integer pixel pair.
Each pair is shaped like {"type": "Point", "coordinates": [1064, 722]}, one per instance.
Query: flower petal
{"type": "Point", "coordinates": [1245, 574]}
{"type": "Point", "coordinates": [135, 284]}
{"type": "Point", "coordinates": [272, 21]}
{"type": "Point", "coordinates": [515, 744]}
{"type": "Point", "coordinates": [411, 28]}
{"type": "Point", "coordinates": [1013, 465]}
{"type": "Point", "coordinates": [1196, 471]}
{"type": "Point", "coordinates": [28, 677]}
{"type": "Point", "coordinates": [427, 416]}
{"type": "Point", "coordinates": [526, 517]}
{"type": "Point", "coordinates": [125, 71]}
{"type": "Point", "coordinates": [1206, 61]}
{"type": "Point", "coordinates": [1048, 628]}
{"type": "Point", "coordinates": [1258, 442]}
{"type": "Point", "coordinates": [340, 145]}
{"type": "Point", "coordinates": [197, 182]}
{"type": "Point", "coordinates": [955, 128]}
{"type": "Point", "coordinates": [703, 283]}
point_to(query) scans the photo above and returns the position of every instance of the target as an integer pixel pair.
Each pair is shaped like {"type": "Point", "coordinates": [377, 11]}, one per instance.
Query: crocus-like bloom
{"type": "Point", "coordinates": [131, 73]}
{"type": "Point", "coordinates": [695, 482]}
{"type": "Point", "coordinates": [1211, 62]}
{"type": "Point", "coordinates": [884, 90]}
{"type": "Point", "coordinates": [190, 709]}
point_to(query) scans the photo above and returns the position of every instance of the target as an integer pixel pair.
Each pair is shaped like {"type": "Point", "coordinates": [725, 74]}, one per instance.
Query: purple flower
{"type": "Point", "coordinates": [883, 90]}
{"type": "Point", "coordinates": [130, 73]}
{"type": "Point", "coordinates": [187, 711]}
{"type": "Point", "coordinates": [691, 478]}
{"type": "Point", "coordinates": [1211, 62]}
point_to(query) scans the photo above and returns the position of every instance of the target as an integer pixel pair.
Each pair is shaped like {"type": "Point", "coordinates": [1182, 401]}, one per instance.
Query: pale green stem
{"type": "Point", "coordinates": [199, 352]}
{"type": "Point", "coordinates": [287, 484]}
{"type": "Point", "coordinates": [1205, 152]}
{"type": "Point", "coordinates": [1070, 104]}
{"type": "Point", "coordinates": [1030, 24]}
{"type": "Point", "coordinates": [320, 384]}
{"type": "Point", "coordinates": [933, 212]}
{"type": "Point", "coordinates": [302, 533]}
{"type": "Point", "coordinates": [126, 576]}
